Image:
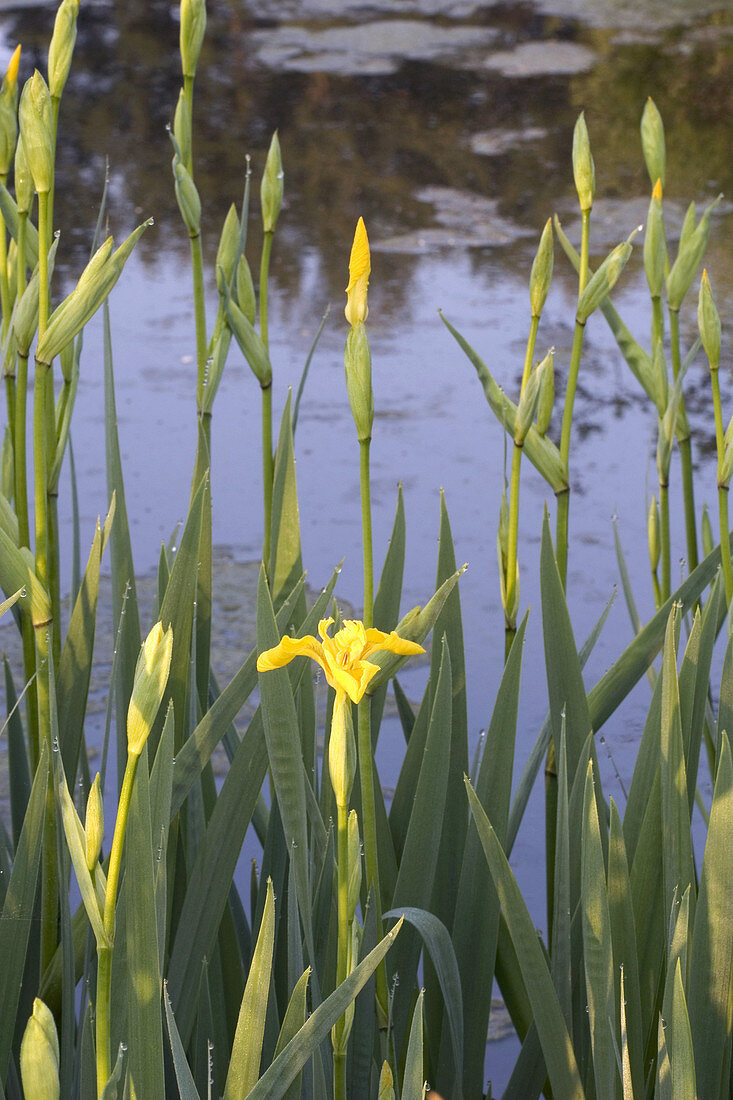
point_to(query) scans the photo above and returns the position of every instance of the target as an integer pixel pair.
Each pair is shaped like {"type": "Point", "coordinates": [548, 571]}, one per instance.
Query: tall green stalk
{"type": "Point", "coordinates": [685, 445]}
{"type": "Point", "coordinates": [725, 556]}
{"type": "Point", "coordinates": [342, 963]}
{"type": "Point", "coordinates": [563, 499]}
{"type": "Point", "coordinates": [104, 951]}
{"type": "Point", "coordinates": [268, 469]}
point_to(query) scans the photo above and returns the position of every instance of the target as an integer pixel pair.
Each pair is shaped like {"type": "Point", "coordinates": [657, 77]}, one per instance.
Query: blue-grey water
{"type": "Point", "coordinates": [448, 126]}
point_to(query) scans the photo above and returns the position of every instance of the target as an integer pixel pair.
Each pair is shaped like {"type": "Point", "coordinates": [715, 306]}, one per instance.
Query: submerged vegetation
{"type": "Point", "coordinates": [359, 958]}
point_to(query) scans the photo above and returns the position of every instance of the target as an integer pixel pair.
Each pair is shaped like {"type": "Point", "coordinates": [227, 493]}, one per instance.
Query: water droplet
{"type": "Point", "coordinates": [57, 234]}
{"type": "Point", "coordinates": [151, 221]}
{"type": "Point", "coordinates": [23, 592]}
{"type": "Point", "coordinates": [173, 760]}
{"type": "Point", "coordinates": [123, 1048]}
{"type": "Point", "coordinates": [280, 176]}
{"type": "Point", "coordinates": [168, 127]}
{"type": "Point", "coordinates": [55, 744]}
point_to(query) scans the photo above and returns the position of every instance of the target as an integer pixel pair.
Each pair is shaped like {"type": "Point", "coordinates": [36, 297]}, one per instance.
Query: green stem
{"type": "Point", "coordinates": [366, 529]}
{"type": "Point", "coordinates": [685, 449]}
{"type": "Point", "coordinates": [104, 952]}
{"type": "Point", "coordinates": [563, 503]}
{"type": "Point", "coordinates": [267, 458]}
{"type": "Point", "coordinates": [342, 962]}
{"type": "Point", "coordinates": [49, 879]}
{"type": "Point", "coordinates": [722, 489]}
{"type": "Point", "coordinates": [199, 307]}
{"type": "Point", "coordinates": [5, 303]}
{"type": "Point", "coordinates": [657, 322]}
{"type": "Point", "coordinates": [268, 469]}
{"type": "Point", "coordinates": [664, 539]}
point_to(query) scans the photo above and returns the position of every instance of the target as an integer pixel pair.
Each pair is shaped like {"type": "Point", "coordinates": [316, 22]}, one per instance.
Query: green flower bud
{"type": "Point", "coordinates": [25, 312]}
{"type": "Point", "coordinates": [36, 127]}
{"type": "Point", "coordinates": [193, 28]}
{"type": "Point", "coordinates": [354, 875]}
{"type": "Point", "coordinates": [602, 282]}
{"type": "Point", "coordinates": [693, 242]}
{"type": "Point", "coordinates": [655, 245]}
{"type": "Point", "coordinates": [39, 1055]}
{"type": "Point", "coordinates": [546, 399]}
{"type": "Point", "coordinates": [9, 113]}
{"type": "Point", "coordinates": [226, 254]}
{"type": "Point", "coordinates": [250, 342]}
{"type": "Point", "coordinates": [342, 750]}
{"type": "Point", "coordinates": [95, 283]}
{"type": "Point", "coordinates": [708, 322]}
{"type": "Point", "coordinates": [667, 432]}
{"type": "Point", "coordinates": [541, 274]}
{"type": "Point", "coordinates": [24, 189]}
{"type": "Point", "coordinates": [386, 1083]}
{"type": "Point", "coordinates": [187, 197]}
{"type": "Point", "coordinates": [62, 46]}
{"type": "Point", "coordinates": [652, 141]}
{"type": "Point", "coordinates": [653, 535]}
{"type": "Point", "coordinates": [245, 289]}
{"type": "Point", "coordinates": [148, 689]}
{"type": "Point", "coordinates": [271, 188]}
{"type": "Point", "coordinates": [358, 367]}
{"type": "Point", "coordinates": [659, 377]}
{"type": "Point", "coordinates": [527, 405]}
{"type": "Point", "coordinates": [584, 172]}
{"type": "Point", "coordinates": [182, 128]}
{"type": "Point", "coordinates": [94, 824]}
{"type": "Point", "coordinates": [708, 541]}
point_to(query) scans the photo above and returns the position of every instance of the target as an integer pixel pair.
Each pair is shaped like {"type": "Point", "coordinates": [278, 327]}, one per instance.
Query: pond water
{"type": "Point", "coordinates": [449, 128]}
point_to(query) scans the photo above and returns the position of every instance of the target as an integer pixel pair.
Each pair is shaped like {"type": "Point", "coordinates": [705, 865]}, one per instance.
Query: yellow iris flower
{"type": "Point", "coordinates": [343, 657]}
{"type": "Point", "coordinates": [360, 266]}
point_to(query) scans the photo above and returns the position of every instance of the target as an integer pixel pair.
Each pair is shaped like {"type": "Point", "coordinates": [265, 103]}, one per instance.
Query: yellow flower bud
{"type": "Point", "coordinates": [151, 677]}
{"type": "Point", "coordinates": [271, 188]}
{"type": "Point", "coordinates": [360, 266]}
{"type": "Point", "coordinates": [36, 126]}
{"type": "Point", "coordinates": [9, 113]}
{"type": "Point", "coordinates": [39, 1055]}
{"type": "Point", "coordinates": [11, 76]}
{"type": "Point", "coordinates": [193, 28]}
{"type": "Point", "coordinates": [602, 282]}
{"type": "Point", "coordinates": [94, 824]}
{"type": "Point", "coordinates": [62, 46]}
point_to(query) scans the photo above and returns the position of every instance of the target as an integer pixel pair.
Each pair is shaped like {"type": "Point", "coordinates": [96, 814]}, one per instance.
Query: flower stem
{"type": "Point", "coordinates": [685, 446]}
{"type": "Point", "coordinates": [49, 880]}
{"type": "Point", "coordinates": [725, 557]}
{"type": "Point", "coordinates": [342, 869]}
{"type": "Point", "coordinates": [366, 529]}
{"type": "Point", "coordinates": [197, 268]}
{"type": "Point", "coordinates": [563, 500]}
{"type": "Point", "coordinates": [104, 951]}
{"type": "Point", "coordinates": [267, 459]}
{"type": "Point", "coordinates": [665, 539]}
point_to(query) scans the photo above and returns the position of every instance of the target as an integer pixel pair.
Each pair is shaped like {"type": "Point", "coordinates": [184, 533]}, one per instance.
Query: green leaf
{"type": "Point", "coordinates": [597, 947]}
{"type": "Point", "coordinates": [19, 776]}
{"type": "Point", "coordinates": [18, 907]}
{"type": "Point", "coordinates": [144, 1024]}
{"type": "Point", "coordinates": [417, 866]}
{"type": "Point", "coordinates": [623, 937]}
{"type": "Point", "coordinates": [711, 960]}
{"type": "Point", "coordinates": [92, 890]}
{"type": "Point", "coordinates": [286, 563]}
{"type": "Point", "coordinates": [276, 1080]}
{"type": "Point", "coordinates": [551, 1027]}
{"type": "Point", "coordinates": [413, 1082]}
{"type": "Point", "coordinates": [476, 921]}
{"type": "Point", "coordinates": [436, 939]}
{"type": "Point", "coordinates": [244, 1065]}
{"type": "Point", "coordinates": [295, 1016]}
{"type": "Point", "coordinates": [184, 1077]}
{"type": "Point", "coordinates": [9, 210]}
{"type": "Point", "coordinates": [679, 1044]}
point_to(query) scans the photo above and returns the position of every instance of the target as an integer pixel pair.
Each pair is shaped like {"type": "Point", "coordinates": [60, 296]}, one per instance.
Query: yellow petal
{"type": "Point", "coordinates": [378, 640]}
{"type": "Point", "coordinates": [12, 73]}
{"type": "Point", "coordinates": [360, 266]}
{"type": "Point", "coordinates": [280, 655]}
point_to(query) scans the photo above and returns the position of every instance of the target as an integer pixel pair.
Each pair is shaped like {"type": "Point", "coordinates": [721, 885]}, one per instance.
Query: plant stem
{"type": "Point", "coordinates": [104, 952]}
{"type": "Point", "coordinates": [267, 458]}
{"type": "Point", "coordinates": [685, 446]}
{"type": "Point", "coordinates": [563, 500]}
{"type": "Point", "coordinates": [342, 868]}
{"type": "Point", "coordinates": [188, 96]}
{"type": "Point", "coordinates": [664, 539]}
{"type": "Point", "coordinates": [366, 532]}
{"type": "Point", "coordinates": [199, 307]}
{"type": "Point", "coordinates": [722, 489]}
{"type": "Point", "coordinates": [49, 880]}
{"type": "Point", "coordinates": [513, 536]}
